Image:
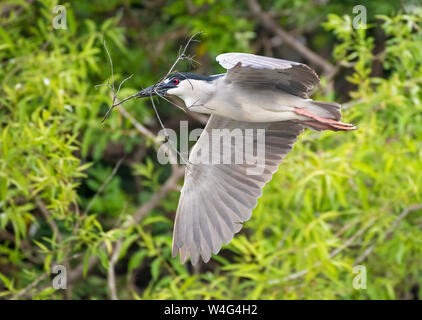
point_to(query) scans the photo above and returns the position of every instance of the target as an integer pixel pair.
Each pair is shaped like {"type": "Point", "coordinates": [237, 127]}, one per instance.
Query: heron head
{"type": "Point", "coordinates": [182, 85]}
{"type": "Point", "coordinates": [162, 88]}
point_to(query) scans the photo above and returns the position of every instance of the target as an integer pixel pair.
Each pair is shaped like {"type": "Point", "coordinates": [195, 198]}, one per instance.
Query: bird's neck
{"type": "Point", "coordinates": [198, 93]}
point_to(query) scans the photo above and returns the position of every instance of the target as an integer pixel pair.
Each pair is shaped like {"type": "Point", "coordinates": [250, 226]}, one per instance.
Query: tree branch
{"type": "Point", "coordinates": [268, 23]}
{"type": "Point", "coordinates": [48, 219]}
{"type": "Point", "coordinates": [389, 232]}
{"type": "Point", "coordinates": [333, 253]}
{"type": "Point", "coordinates": [32, 285]}
{"type": "Point", "coordinates": [111, 277]}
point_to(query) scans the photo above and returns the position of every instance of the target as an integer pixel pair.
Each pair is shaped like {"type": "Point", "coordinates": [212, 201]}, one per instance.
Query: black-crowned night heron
{"type": "Point", "coordinates": [256, 93]}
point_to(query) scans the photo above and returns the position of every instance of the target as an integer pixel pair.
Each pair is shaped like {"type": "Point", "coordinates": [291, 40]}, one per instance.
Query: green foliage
{"type": "Point", "coordinates": [336, 197]}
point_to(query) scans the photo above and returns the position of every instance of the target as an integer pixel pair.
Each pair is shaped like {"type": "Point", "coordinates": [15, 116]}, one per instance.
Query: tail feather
{"type": "Point", "coordinates": [318, 123]}
{"type": "Point", "coordinates": [332, 108]}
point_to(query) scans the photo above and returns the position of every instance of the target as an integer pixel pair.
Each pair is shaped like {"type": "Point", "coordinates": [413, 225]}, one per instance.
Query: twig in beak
{"type": "Point", "coordinates": [115, 99]}
{"type": "Point", "coordinates": [182, 56]}
{"type": "Point", "coordinates": [112, 85]}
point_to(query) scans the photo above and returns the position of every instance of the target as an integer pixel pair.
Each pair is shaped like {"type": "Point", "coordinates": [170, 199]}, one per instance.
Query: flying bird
{"type": "Point", "coordinates": [263, 98]}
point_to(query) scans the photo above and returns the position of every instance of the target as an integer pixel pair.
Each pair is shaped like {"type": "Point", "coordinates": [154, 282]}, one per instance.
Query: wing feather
{"type": "Point", "coordinates": [249, 69]}
{"type": "Point", "coordinates": [217, 198]}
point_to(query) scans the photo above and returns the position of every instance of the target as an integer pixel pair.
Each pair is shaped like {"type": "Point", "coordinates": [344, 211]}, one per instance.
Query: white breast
{"type": "Point", "coordinates": [254, 105]}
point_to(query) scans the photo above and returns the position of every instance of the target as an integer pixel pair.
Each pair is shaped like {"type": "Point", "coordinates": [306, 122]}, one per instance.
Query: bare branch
{"type": "Point", "coordinates": [32, 285]}
{"type": "Point", "coordinates": [48, 219]}
{"type": "Point", "coordinates": [166, 134]}
{"type": "Point", "coordinates": [168, 186]}
{"type": "Point", "coordinates": [182, 56]}
{"type": "Point", "coordinates": [268, 22]}
{"type": "Point", "coordinates": [111, 278]}
{"type": "Point", "coordinates": [389, 232]}
{"type": "Point", "coordinates": [77, 272]}
{"type": "Point", "coordinates": [111, 86]}
{"type": "Point", "coordinates": [171, 183]}
{"type": "Point", "coordinates": [105, 183]}
{"type": "Point", "coordinates": [353, 238]}
{"type": "Point", "coordinates": [335, 252]}
{"type": "Point", "coordinates": [118, 103]}
{"type": "Point", "coordinates": [138, 126]}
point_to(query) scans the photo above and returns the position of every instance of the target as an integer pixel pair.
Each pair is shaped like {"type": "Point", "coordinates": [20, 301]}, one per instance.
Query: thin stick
{"type": "Point", "coordinates": [335, 252]}
{"type": "Point", "coordinates": [33, 284]}
{"type": "Point", "coordinates": [113, 105]}
{"type": "Point", "coordinates": [115, 99]}
{"type": "Point", "coordinates": [105, 183]}
{"type": "Point", "coordinates": [268, 23]}
{"type": "Point", "coordinates": [111, 275]}
{"type": "Point", "coordinates": [48, 219]}
{"type": "Point", "coordinates": [165, 132]}
{"type": "Point", "coordinates": [389, 232]}
{"type": "Point", "coordinates": [182, 56]}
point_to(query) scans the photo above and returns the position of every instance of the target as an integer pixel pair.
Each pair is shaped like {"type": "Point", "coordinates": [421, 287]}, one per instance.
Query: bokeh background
{"type": "Point", "coordinates": [93, 198]}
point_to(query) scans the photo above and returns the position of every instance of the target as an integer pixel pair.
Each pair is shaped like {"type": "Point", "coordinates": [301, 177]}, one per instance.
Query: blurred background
{"type": "Point", "coordinates": [341, 219]}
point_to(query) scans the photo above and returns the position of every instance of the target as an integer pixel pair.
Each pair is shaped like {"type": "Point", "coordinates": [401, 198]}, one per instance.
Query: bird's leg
{"type": "Point", "coordinates": [323, 123]}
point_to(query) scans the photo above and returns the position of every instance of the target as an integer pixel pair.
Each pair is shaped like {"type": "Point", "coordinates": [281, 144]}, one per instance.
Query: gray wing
{"type": "Point", "coordinates": [217, 198]}
{"type": "Point", "coordinates": [293, 77]}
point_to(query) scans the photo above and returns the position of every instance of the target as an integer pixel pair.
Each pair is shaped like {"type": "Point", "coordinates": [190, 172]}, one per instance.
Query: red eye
{"type": "Point", "coordinates": [175, 81]}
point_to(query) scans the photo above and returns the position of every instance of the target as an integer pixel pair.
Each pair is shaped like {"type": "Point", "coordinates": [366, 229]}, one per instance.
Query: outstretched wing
{"type": "Point", "coordinates": [219, 193]}
{"type": "Point", "coordinates": [292, 77]}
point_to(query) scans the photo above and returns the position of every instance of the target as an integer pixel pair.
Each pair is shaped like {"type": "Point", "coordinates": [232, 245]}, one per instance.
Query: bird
{"type": "Point", "coordinates": [258, 97]}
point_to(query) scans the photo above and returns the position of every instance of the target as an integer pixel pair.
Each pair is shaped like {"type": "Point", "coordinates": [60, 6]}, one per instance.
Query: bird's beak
{"type": "Point", "coordinates": [157, 89]}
